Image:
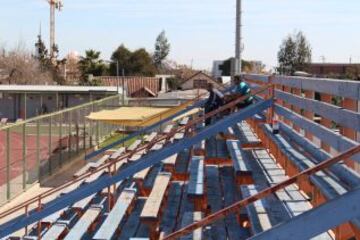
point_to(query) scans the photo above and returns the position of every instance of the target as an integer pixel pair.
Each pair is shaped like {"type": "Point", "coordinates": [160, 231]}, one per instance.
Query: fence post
{"type": "Point", "coordinates": [50, 143]}
{"type": "Point", "coordinates": [24, 155]}
{"type": "Point", "coordinates": [8, 190]}
{"type": "Point", "coordinates": [325, 122]}
{"type": "Point", "coordinates": [38, 148]}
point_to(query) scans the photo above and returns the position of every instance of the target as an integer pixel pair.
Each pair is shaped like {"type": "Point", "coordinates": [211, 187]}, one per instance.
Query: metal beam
{"type": "Point", "coordinates": [337, 141]}
{"type": "Point", "coordinates": [341, 88]}
{"type": "Point", "coordinates": [344, 117]}
{"type": "Point", "coordinates": [145, 162]}
{"type": "Point", "coordinates": [307, 225]}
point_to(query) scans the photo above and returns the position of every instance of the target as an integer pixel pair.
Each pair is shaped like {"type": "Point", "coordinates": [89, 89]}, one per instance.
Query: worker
{"type": "Point", "coordinates": [241, 89]}
{"type": "Point", "coordinates": [215, 100]}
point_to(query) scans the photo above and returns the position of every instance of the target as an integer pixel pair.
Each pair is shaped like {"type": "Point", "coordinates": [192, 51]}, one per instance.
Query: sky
{"type": "Point", "coordinates": [199, 31]}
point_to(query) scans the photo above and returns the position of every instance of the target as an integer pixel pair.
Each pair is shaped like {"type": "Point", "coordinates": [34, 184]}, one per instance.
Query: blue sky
{"type": "Point", "coordinates": [199, 30]}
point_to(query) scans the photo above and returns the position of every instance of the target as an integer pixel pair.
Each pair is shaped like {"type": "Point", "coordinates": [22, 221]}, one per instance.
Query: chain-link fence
{"type": "Point", "coordinates": [33, 149]}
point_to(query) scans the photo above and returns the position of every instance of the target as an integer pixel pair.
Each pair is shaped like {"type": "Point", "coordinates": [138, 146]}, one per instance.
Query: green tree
{"type": "Point", "coordinates": [122, 57]}
{"type": "Point", "coordinates": [137, 63]}
{"type": "Point", "coordinates": [141, 63]}
{"type": "Point", "coordinates": [303, 52]}
{"type": "Point", "coordinates": [294, 54]}
{"type": "Point", "coordinates": [162, 49]}
{"type": "Point", "coordinates": [46, 65]}
{"type": "Point", "coordinates": [91, 64]}
{"type": "Point", "coordinates": [42, 53]}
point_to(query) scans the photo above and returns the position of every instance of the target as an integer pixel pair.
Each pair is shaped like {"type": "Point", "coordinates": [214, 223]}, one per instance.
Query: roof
{"type": "Point", "coordinates": [55, 88]}
{"type": "Point", "coordinates": [208, 76]}
{"type": "Point", "coordinates": [335, 64]}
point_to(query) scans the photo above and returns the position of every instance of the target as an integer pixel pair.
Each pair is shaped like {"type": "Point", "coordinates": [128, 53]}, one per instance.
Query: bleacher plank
{"type": "Point", "coordinates": [181, 166]}
{"type": "Point", "coordinates": [196, 185]}
{"type": "Point", "coordinates": [133, 221]}
{"type": "Point", "coordinates": [55, 232]}
{"type": "Point", "coordinates": [156, 147]}
{"type": "Point", "coordinates": [257, 211]}
{"type": "Point", "coordinates": [168, 129]}
{"type": "Point", "coordinates": [246, 136]}
{"type": "Point", "coordinates": [152, 210]}
{"type": "Point", "coordinates": [112, 221]}
{"type": "Point", "coordinates": [179, 136]}
{"type": "Point", "coordinates": [242, 170]}
{"type": "Point", "coordinates": [188, 218]}
{"type": "Point", "coordinates": [117, 154]}
{"type": "Point", "coordinates": [184, 121]}
{"type": "Point", "coordinates": [215, 201]}
{"type": "Point", "coordinates": [230, 195]}
{"type": "Point", "coordinates": [150, 137]}
{"type": "Point", "coordinates": [152, 206]}
{"type": "Point", "coordinates": [134, 145]}
{"type": "Point", "coordinates": [169, 163]}
{"type": "Point", "coordinates": [168, 222]}
{"type": "Point", "coordinates": [84, 223]}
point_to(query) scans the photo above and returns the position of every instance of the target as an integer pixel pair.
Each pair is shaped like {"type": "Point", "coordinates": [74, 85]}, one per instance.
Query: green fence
{"type": "Point", "coordinates": [33, 149]}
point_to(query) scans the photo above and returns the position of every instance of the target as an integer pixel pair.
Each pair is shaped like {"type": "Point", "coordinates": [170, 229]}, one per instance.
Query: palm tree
{"type": "Point", "coordinates": [91, 64]}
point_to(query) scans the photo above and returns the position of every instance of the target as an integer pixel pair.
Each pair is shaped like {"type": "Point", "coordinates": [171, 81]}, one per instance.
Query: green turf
{"type": "Point", "coordinates": [116, 137]}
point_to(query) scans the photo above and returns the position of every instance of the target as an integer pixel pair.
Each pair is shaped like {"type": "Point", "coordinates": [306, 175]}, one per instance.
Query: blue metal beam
{"type": "Point", "coordinates": [307, 225]}
{"type": "Point", "coordinates": [341, 171]}
{"type": "Point", "coordinates": [344, 117]}
{"type": "Point", "coordinates": [145, 162]}
{"type": "Point", "coordinates": [341, 88]}
{"type": "Point", "coordinates": [338, 142]}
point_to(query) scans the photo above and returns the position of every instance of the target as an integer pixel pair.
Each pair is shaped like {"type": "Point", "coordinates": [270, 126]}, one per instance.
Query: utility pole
{"type": "Point", "coordinates": [123, 87]}
{"type": "Point", "coordinates": [238, 40]}
{"type": "Point", "coordinates": [117, 75]}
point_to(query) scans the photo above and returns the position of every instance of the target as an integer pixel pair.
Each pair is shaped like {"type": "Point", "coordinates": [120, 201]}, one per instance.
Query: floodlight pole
{"type": "Point", "coordinates": [238, 38]}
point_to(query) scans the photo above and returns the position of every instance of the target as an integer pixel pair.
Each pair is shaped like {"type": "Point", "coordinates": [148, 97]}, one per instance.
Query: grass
{"type": "Point", "coordinates": [117, 137]}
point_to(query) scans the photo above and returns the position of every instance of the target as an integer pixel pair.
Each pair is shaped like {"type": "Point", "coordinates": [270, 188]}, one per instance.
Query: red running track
{"type": "Point", "coordinates": [16, 153]}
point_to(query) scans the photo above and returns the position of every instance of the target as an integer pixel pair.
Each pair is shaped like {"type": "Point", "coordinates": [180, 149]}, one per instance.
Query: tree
{"type": "Point", "coordinates": [294, 54]}
{"type": "Point", "coordinates": [303, 52]}
{"type": "Point", "coordinates": [91, 64]}
{"type": "Point", "coordinates": [137, 63]}
{"type": "Point", "coordinates": [353, 72]}
{"type": "Point", "coordinates": [162, 49]}
{"type": "Point", "coordinates": [122, 57]}
{"type": "Point", "coordinates": [46, 63]}
{"type": "Point", "coordinates": [22, 68]}
{"type": "Point", "coordinates": [141, 63]}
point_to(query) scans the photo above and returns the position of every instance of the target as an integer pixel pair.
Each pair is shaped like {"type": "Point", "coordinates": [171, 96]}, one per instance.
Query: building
{"type": "Point", "coordinates": [135, 86]}
{"type": "Point", "coordinates": [336, 70]}
{"type": "Point", "coordinates": [216, 71]}
{"type": "Point", "coordinates": [199, 80]}
{"type": "Point", "coordinates": [27, 101]}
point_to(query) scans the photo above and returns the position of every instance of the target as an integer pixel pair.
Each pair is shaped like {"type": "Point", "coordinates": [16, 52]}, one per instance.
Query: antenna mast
{"type": "Point", "coordinates": [54, 5]}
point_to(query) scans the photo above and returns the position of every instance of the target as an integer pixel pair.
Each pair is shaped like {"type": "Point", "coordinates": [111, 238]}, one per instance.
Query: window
{"type": "Point", "coordinates": [200, 83]}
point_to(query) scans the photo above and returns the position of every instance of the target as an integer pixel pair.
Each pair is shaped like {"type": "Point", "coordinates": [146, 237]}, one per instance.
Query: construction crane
{"type": "Point", "coordinates": [54, 5]}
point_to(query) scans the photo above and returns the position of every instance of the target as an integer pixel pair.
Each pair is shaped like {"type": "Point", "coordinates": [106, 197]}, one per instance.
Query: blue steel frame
{"type": "Point", "coordinates": [307, 225]}
{"type": "Point", "coordinates": [145, 162]}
